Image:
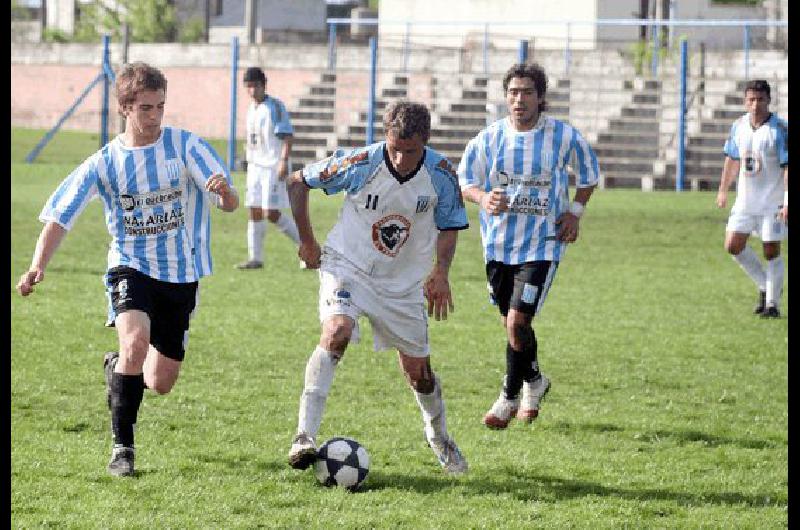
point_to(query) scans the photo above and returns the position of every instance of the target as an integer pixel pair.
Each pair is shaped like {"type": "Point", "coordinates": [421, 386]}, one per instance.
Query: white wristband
{"type": "Point", "coordinates": [576, 209]}
{"type": "Point", "coordinates": [786, 198]}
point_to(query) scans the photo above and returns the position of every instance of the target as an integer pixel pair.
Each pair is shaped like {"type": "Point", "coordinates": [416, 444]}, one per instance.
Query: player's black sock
{"type": "Point", "coordinates": [126, 396]}
{"type": "Point", "coordinates": [531, 370]}
{"type": "Point", "coordinates": [514, 372]}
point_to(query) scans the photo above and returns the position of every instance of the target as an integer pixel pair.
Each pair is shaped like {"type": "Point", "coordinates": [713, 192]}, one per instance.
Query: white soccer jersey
{"type": "Point", "coordinates": [388, 225]}
{"type": "Point", "coordinates": [268, 123]}
{"type": "Point", "coordinates": [156, 206]}
{"type": "Point", "coordinates": [532, 167]}
{"type": "Point", "coordinates": [763, 153]}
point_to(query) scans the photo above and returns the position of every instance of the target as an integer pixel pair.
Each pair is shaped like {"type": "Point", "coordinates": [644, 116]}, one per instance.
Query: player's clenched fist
{"type": "Point", "coordinates": [28, 280]}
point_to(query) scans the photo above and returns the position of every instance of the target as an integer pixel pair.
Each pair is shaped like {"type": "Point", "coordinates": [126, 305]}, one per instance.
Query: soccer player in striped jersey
{"type": "Point", "coordinates": [269, 142]}
{"type": "Point", "coordinates": [757, 151]}
{"type": "Point", "coordinates": [156, 185]}
{"type": "Point", "coordinates": [402, 206]}
{"type": "Point", "coordinates": [516, 170]}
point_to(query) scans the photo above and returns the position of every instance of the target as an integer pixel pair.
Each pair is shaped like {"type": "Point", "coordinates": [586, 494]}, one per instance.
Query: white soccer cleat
{"type": "Point", "coordinates": [449, 455]}
{"type": "Point", "coordinates": [532, 394]}
{"type": "Point", "coordinates": [501, 412]}
{"type": "Point", "coordinates": [303, 452]}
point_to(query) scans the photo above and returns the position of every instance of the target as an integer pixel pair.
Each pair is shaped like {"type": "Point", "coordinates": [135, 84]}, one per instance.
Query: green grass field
{"type": "Point", "coordinates": [668, 407]}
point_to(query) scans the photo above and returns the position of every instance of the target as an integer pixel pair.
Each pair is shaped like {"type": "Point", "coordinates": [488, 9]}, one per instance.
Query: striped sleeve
{"type": "Point", "coordinates": [280, 119]}
{"type": "Point", "coordinates": [472, 167]}
{"type": "Point", "coordinates": [731, 149]}
{"type": "Point", "coordinates": [587, 166]}
{"type": "Point", "coordinates": [782, 143]}
{"type": "Point", "coordinates": [203, 162]}
{"type": "Point", "coordinates": [72, 195]}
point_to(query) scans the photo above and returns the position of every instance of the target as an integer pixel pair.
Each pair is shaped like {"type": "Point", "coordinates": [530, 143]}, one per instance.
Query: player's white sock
{"type": "Point", "coordinates": [319, 378]}
{"type": "Point", "coordinates": [255, 239]}
{"type": "Point", "coordinates": [774, 281]}
{"type": "Point", "coordinates": [432, 407]}
{"type": "Point", "coordinates": [750, 263]}
{"type": "Point", "coordinates": [286, 225]}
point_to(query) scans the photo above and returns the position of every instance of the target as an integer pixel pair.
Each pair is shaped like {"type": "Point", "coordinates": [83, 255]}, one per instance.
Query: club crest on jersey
{"type": "Point", "coordinates": [390, 233]}
{"type": "Point", "coordinates": [127, 202]}
{"type": "Point", "coordinates": [174, 170]}
{"type": "Point", "coordinates": [337, 167]}
{"type": "Point", "coordinates": [423, 202]}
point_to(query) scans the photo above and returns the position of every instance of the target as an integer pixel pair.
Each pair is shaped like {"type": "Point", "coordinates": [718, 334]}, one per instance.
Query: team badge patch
{"type": "Point", "coordinates": [390, 234]}
{"type": "Point", "coordinates": [529, 293]}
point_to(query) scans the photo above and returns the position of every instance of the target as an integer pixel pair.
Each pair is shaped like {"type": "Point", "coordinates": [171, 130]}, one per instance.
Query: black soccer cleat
{"type": "Point", "coordinates": [771, 312]}
{"type": "Point", "coordinates": [109, 362]}
{"type": "Point", "coordinates": [121, 464]}
{"type": "Point", "coordinates": [762, 303]}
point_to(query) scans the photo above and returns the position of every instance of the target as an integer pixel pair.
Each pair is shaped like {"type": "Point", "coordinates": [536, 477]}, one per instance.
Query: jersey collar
{"type": "Point", "coordinates": [399, 178]}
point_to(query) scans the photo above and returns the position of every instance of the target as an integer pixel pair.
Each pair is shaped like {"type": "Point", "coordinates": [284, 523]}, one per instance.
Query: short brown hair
{"type": "Point", "coordinates": [406, 118]}
{"type": "Point", "coordinates": [758, 85]}
{"type": "Point", "coordinates": [137, 77]}
{"type": "Point", "coordinates": [532, 71]}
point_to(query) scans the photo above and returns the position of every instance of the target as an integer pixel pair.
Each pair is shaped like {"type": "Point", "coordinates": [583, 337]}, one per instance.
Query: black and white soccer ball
{"type": "Point", "coordinates": [342, 462]}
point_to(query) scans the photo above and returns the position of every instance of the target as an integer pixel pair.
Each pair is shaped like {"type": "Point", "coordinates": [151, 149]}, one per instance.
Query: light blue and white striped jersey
{"type": "Point", "coordinates": [532, 167]}
{"type": "Point", "coordinates": [155, 203]}
{"type": "Point", "coordinates": [388, 224]}
{"type": "Point", "coordinates": [763, 153]}
{"type": "Point", "coordinates": [268, 123]}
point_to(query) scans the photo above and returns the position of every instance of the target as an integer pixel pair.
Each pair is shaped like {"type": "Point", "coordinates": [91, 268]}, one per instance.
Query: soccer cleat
{"type": "Point", "coordinates": [501, 412]}
{"type": "Point", "coordinates": [109, 362]}
{"type": "Point", "coordinates": [250, 265]}
{"type": "Point", "coordinates": [449, 455]}
{"type": "Point", "coordinates": [303, 452]}
{"type": "Point", "coordinates": [121, 464]}
{"type": "Point", "coordinates": [771, 311]}
{"type": "Point", "coordinates": [532, 394]}
{"type": "Point", "coordinates": [762, 303]}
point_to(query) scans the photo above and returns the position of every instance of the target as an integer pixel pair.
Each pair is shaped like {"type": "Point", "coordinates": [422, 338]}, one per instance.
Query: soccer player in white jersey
{"type": "Point", "coordinates": [516, 170]}
{"type": "Point", "coordinates": [156, 185]}
{"type": "Point", "coordinates": [402, 206]}
{"type": "Point", "coordinates": [757, 151]}
{"type": "Point", "coordinates": [269, 143]}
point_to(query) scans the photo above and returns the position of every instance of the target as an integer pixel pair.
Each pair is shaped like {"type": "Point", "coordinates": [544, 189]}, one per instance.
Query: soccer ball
{"type": "Point", "coordinates": [342, 462]}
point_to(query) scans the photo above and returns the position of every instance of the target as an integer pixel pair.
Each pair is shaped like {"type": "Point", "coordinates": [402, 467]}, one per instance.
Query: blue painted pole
{"type": "Point", "coordinates": [106, 82]}
{"type": "Point", "coordinates": [486, 49]}
{"type": "Point", "coordinates": [523, 51]}
{"type": "Point", "coordinates": [406, 46]}
{"type": "Point", "coordinates": [232, 133]}
{"type": "Point", "coordinates": [747, 53]}
{"type": "Point", "coordinates": [332, 46]}
{"type": "Point", "coordinates": [373, 66]}
{"type": "Point", "coordinates": [654, 65]}
{"type": "Point", "coordinates": [47, 137]}
{"type": "Point", "coordinates": [682, 119]}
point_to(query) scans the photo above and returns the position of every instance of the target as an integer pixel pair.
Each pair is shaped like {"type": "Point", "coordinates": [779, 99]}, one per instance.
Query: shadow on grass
{"type": "Point", "coordinates": [535, 487]}
{"type": "Point", "coordinates": [709, 440]}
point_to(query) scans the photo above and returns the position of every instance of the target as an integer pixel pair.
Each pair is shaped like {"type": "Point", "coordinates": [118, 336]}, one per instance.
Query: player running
{"type": "Point", "coordinates": [156, 185]}
{"type": "Point", "coordinates": [402, 206]}
{"type": "Point", "coordinates": [516, 171]}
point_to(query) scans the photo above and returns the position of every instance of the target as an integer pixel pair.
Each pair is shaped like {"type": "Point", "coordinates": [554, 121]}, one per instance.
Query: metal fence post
{"type": "Point", "coordinates": [232, 132]}
{"type": "Point", "coordinates": [106, 82]}
{"type": "Point", "coordinates": [567, 52]}
{"type": "Point", "coordinates": [406, 46]}
{"type": "Point", "coordinates": [654, 65]}
{"type": "Point", "coordinates": [682, 119]}
{"type": "Point", "coordinates": [373, 52]}
{"type": "Point", "coordinates": [332, 46]}
{"type": "Point", "coordinates": [486, 49]}
{"type": "Point", "coordinates": [523, 51]}
{"type": "Point", "coordinates": [747, 52]}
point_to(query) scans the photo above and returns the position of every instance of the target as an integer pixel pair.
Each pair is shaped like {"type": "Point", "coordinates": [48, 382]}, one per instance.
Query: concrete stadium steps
{"type": "Point", "coordinates": [312, 120]}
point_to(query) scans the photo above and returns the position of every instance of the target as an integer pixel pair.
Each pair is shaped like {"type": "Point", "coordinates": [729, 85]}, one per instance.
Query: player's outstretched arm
{"type": "Point", "coordinates": [437, 285]}
{"type": "Point", "coordinates": [51, 236]}
{"type": "Point", "coordinates": [309, 250]}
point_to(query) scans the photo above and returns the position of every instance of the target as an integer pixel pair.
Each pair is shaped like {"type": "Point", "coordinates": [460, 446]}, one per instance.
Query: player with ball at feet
{"type": "Point", "coordinates": [402, 206]}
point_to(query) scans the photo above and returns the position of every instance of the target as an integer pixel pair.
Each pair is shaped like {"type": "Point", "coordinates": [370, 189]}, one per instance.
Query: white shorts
{"type": "Point", "coordinates": [399, 322]}
{"type": "Point", "coordinates": [264, 190]}
{"type": "Point", "coordinates": [767, 227]}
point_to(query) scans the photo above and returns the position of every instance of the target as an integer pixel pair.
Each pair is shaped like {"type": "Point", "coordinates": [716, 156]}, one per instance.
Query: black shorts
{"type": "Point", "coordinates": [169, 306]}
{"type": "Point", "coordinates": [522, 287]}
